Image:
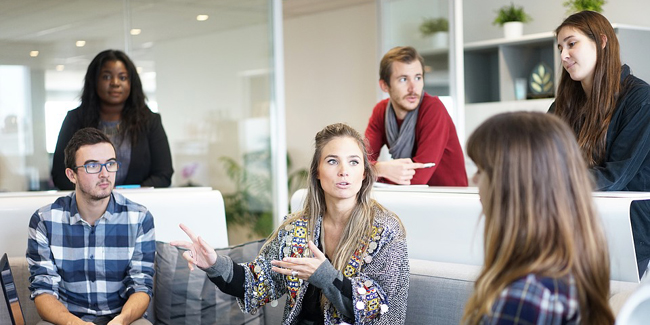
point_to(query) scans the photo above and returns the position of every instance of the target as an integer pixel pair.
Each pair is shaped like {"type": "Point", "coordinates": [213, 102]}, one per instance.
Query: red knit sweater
{"type": "Point", "coordinates": [435, 141]}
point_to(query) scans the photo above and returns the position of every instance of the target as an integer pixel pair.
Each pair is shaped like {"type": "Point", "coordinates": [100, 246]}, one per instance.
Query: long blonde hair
{"type": "Point", "coordinates": [539, 213]}
{"type": "Point", "coordinates": [362, 217]}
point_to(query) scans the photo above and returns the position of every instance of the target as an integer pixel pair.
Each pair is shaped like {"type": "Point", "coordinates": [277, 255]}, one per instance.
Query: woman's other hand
{"type": "Point", "coordinates": [198, 252]}
{"type": "Point", "coordinates": [300, 267]}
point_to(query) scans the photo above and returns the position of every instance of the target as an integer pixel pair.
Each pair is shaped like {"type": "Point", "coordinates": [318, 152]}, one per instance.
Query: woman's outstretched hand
{"type": "Point", "coordinates": [198, 252]}
{"type": "Point", "coordinates": [301, 267]}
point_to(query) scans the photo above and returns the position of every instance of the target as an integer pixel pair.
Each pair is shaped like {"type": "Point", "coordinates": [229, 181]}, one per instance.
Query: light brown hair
{"type": "Point", "coordinates": [359, 225]}
{"type": "Point", "coordinates": [539, 213]}
{"type": "Point", "coordinates": [589, 115]}
{"type": "Point", "coordinates": [404, 54]}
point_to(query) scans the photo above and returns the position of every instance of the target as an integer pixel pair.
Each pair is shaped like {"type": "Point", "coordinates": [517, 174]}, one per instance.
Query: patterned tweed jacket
{"type": "Point", "coordinates": [379, 272]}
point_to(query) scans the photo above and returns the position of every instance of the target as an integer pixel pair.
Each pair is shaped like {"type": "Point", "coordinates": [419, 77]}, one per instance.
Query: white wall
{"type": "Point", "coordinates": [202, 95]}
{"type": "Point", "coordinates": [547, 15]}
{"type": "Point", "coordinates": [331, 74]}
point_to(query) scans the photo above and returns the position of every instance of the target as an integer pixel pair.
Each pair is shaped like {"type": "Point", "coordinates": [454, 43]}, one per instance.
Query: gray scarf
{"type": "Point", "coordinates": [401, 139]}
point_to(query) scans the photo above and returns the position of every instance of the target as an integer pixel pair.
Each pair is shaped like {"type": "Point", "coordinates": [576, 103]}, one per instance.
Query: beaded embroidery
{"type": "Point", "coordinates": [298, 246]}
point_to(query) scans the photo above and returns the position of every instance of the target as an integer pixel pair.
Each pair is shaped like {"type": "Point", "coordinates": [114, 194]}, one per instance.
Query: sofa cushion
{"type": "Point", "coordinates": [438, 291]}
{"type": "Point", "coordinates": [184, 297]}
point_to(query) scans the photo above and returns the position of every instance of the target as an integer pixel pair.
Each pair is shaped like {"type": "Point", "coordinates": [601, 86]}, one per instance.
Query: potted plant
{"type": "Point", "coordinates": [437, 30]}
{"type": "Point", "coordinates": [249, 209]}
{"type": "Point", "coordinates": [582, 5]}
{"type": "Point", "coordinates": [512, 18]}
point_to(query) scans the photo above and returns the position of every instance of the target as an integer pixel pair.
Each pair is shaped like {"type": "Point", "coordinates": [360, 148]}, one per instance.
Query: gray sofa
{"type": "Point", "coordinates": [437, 294]}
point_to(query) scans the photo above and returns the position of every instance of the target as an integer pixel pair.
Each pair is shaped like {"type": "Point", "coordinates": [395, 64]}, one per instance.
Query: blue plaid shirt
{"type": "Point", "coordinates": [92, 270]}
{"type": "Point", "coordinates": [537, 300]}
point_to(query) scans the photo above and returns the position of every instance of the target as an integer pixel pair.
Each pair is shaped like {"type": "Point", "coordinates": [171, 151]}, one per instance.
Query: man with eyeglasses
{"type": "Point", "coordinates": [91, 253]}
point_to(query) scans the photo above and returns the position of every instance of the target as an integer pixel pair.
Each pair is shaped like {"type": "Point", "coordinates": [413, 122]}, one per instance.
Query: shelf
{"type": "Point", "coordinates": [435, 52]}
{"type": "Point", "coordinates": [436, 71]}
{"type": "Point", "coordinates": [492, 66]}
{"type": "Point", "coordinates": [525, 39]}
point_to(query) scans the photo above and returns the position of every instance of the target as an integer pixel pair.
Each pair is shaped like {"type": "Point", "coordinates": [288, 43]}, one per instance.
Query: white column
{"type": "Point", "coordinates": [278, 120]}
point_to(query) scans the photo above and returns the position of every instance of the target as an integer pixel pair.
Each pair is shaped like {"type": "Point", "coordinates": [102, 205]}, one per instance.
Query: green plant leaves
{"type": "Point", "coordinates": [430, 26]}
{"type": "Point", "coordinates": [574, 6]}
{"type": "Point", "coordinates": [511, 13]}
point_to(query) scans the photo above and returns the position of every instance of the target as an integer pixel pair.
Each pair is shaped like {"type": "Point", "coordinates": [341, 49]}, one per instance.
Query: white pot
{"type": "Point", "coordinates": [439, 40]}
{"type": "Point", "coordinates": [513, 29]}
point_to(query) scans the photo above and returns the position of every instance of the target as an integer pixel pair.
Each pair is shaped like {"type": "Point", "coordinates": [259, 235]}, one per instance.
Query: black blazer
{"type": "Point", "coordinates": [151, 160]}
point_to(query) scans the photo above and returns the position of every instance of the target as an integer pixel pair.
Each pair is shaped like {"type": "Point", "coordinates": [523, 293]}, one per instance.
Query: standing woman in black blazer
{"type": "Point", "coordinates": [114, 102]}
{"type": "Point", "coordinates": [608, 108]}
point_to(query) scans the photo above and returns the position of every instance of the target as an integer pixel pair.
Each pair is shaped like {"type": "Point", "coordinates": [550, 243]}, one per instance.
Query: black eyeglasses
{"type": "Point", "coordinates": [95, 168]}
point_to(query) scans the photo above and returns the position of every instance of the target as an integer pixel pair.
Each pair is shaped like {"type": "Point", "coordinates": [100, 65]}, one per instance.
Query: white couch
{"type": "Point", "coordinates": [197, 207]}
{"type": "Point", "coordinates": [443, 224]}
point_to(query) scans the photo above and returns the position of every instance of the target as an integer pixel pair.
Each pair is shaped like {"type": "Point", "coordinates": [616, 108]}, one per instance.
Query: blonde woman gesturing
{"type": "Point", "coordinates": [343, 258]}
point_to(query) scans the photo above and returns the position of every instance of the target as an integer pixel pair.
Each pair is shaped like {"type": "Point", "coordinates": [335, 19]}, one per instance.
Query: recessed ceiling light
{"type": "Point", "coordinates": [33, 54]}
{"type": "Point", "coordinates": [202, 17]}
{"type": "Point", "coordinates": [136, 31]}
{"type": "Point", "coordinates": [139, 69]}
{"type": "Point", "coordinates": [80, 43]}
{"type": "Point", "coordinates": [60, 67]}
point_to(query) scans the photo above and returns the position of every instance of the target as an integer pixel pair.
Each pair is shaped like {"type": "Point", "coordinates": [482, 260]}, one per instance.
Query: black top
{"type": "Point", "coordinates": [151, 160]}
{"type": "Point", "coordinates": [626, 166]}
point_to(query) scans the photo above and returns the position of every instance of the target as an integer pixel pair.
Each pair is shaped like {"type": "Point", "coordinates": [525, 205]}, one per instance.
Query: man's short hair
{"type": "Point", "coordinates": [404, 54]}
{"type": "Point", "coordinates": [83, 137]}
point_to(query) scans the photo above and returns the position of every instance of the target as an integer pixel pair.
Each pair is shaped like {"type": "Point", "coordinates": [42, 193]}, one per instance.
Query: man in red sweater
{"type": "Point", "coordinates": [415, 126]}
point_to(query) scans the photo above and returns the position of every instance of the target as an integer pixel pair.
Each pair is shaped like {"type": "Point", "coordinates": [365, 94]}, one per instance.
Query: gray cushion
{"type": "Point", "coordinates": [438, 291]}
{"type": "Point", "coordinates": [184, 297]}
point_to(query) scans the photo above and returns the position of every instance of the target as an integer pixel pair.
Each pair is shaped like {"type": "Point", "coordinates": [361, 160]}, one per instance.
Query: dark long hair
{"type": "Point", "coordinates": [539, 213]}
{"type": "Point", "coordinates": [589, 116]}
{"type": "Point", "coordinates": [135, 113]}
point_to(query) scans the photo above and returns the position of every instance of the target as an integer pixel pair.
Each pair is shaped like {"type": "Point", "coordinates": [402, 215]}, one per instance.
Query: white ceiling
{"type": "Point", "coordinates": [53, 26]}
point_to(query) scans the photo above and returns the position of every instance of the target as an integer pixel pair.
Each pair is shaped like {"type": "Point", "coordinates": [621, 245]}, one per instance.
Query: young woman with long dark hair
{"type": "Point", "coordinates": [608, 109]}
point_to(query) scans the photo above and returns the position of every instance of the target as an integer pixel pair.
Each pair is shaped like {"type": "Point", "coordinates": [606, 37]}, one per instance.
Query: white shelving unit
{"type": "Point", "coordinates": [436, 75]}
{"type": "Point", "coordinates": [492, 66]}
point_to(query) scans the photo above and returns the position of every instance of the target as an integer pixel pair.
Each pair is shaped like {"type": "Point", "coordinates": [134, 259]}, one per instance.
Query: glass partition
{"type": "Point", "coordinates": [206, 67]}
{"type": "Point", "coordinates": [423, 24]}
{"type": "Point", "coordinates": [435, 29]}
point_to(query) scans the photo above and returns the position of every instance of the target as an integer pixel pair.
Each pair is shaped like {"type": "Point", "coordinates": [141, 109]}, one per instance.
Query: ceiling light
{"type": "Point", "coordinates": [139, 69]}
{"type": "Point", "coordinates": [80, 43]}
{"type": "Point", "coordinates": [33, 54]}
{"type": "Point", "coordinates": [60, 67]}
{"type": "Point", "coordinates": [202, 17]}
{"type": "Point", "coordinates": [136, 31]}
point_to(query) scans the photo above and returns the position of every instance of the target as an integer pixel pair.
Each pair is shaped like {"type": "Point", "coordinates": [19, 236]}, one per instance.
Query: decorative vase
{"type": "Point", "coordinates": [513, 29]}
{"type": "Point", "coordinates": [439, 40]}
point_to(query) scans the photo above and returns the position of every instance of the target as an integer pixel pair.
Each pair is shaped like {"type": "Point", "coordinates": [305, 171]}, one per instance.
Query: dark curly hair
{"type": "Point", "coordinates": [135, 114]}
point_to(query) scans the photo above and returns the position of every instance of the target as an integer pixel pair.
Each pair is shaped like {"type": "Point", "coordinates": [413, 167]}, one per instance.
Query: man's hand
{"type": "Point", "coordinates": [117, 321]}
{"type": "Point", "coordinates": [133, 309]}
{"type": "Point", "coordinates": [398, 171]}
